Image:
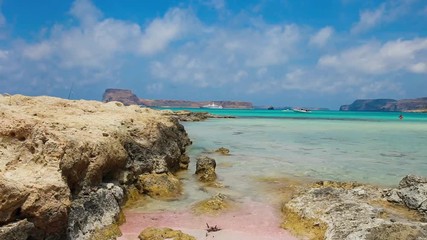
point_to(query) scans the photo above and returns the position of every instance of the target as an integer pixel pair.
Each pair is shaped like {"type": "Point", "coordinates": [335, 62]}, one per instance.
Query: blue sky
{"type": "Point", "coordinates": [270, 52]}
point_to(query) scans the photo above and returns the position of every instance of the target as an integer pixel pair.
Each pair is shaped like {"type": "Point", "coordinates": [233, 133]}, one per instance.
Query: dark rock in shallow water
{"type": "Point", "coordinates": [223, 151]}
{"type": "Point", "coordinates": [205, 169]}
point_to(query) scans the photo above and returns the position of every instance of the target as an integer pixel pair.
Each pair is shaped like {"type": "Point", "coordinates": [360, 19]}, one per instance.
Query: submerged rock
{"type": "Point", "coordinates": [223, 151]}
{"type": "Point", "coordinates": [163, 233]}
{"type": "Point", "coordinates": [213, 205]}
{"type": "Point", "coordinates": [205, 169]}
{"type": "Point", "coordinates": [56, 156]}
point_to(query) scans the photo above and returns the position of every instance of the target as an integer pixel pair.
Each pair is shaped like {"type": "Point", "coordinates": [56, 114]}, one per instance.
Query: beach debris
{"type": "Point", "coordinates": [212, 228]}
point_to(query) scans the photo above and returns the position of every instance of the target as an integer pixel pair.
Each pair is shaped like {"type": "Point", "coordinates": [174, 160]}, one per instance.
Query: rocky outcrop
{"type": "Point", "coordinates": [350, 211]}
{"type": "Point", "coordinates": [128, 98]}
{"type": "Point", "coordinates": [389, 105]}
{"type": "Point", "coordinates": [412, 192]}
{"type": "Point", "coordinates": [65, 165]}
{"type": "Point", "coordinates": [205, 169]}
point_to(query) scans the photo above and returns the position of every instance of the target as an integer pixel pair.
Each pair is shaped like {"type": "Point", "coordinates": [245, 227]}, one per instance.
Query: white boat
{"type": "Point", "coordinates": [301, 110]}
{"type": "Point", "coordinates": [212, 106]}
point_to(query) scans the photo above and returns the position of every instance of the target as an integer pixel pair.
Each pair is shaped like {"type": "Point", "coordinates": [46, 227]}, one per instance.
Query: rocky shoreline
{"type": "Point", "coordinates": [68, 167]}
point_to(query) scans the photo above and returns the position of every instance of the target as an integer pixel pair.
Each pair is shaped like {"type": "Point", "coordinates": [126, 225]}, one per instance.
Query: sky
{"type": "Point", "coordinates": [302, 53]}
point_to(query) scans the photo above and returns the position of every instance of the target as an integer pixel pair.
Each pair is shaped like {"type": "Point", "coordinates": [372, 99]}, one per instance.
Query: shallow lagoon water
{"type": "Point", "coordinates": [270, 148]}
{"type": "Point", "coordinates": [374, 148]}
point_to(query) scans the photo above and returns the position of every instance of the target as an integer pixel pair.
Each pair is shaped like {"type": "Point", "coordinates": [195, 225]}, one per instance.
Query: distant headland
{"type": "Point", "coordinates": [128, 98]}
{"type": "Point", "coordinates": [388, 105]}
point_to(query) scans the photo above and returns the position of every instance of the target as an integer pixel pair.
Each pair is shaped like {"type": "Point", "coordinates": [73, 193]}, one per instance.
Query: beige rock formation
{"type": "Point", "coordinates": [163, 234]}
{"type": "Point", "coordinates": [52, 149]}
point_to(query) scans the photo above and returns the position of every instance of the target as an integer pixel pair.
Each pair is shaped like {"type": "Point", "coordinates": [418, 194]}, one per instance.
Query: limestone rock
{"type": "Point", "coordinates": [223, 151]}
{"type": "Point", "coordinates": [349, 211]}
{"type": "Point", "coordinates": [412, 192]}
{"type": "Point", "coordinates": [93, 210]}
{"type": "Point", "coordinates": [162, 186]}
{"type": "Point", "coordinates": [53, 150]}
{"type": "Point", "coordinates": [205, 169]}
{"type": "Point", "coordinates": [213, 205]}
{"type": "Point", "coordinates": [19, 230]}
{"type": "Point", "coordinates": [164, 233]}
{"type": "Point", "coordinates": [12, 197]}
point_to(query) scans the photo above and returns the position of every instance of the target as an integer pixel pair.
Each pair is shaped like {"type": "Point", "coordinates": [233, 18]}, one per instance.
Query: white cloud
{"type": "Point", "coordinates": [85, 12]}
{"type": "Point", "coordinates": [322, 36]}
{"type": "Point", "coordinates": [162, 31]}
{"type": "Point", "coordinates": [217, 4]}
{"type": "Point", "coordinates": [389, 11]}
{"type": "Point", "coordinates": [376, 58]}
{"type": "Point", "coordinates": [369, 19]}
{"type": "Point", "coordinates": [420, 67]}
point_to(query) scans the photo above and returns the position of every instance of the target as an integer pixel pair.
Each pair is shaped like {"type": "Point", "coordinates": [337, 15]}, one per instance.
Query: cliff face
{"type": "Point", "coordinates": [388, 105]}
{"type": "Point", "coordinates": [128, 98]}
{"type": "Point", "coordinates": [65, 165]}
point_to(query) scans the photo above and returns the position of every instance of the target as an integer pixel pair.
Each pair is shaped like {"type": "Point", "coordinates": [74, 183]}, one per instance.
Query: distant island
{"type": "Point", "coordinates": [128, 98]}
{"type": "Point", "coordinates": [388, 105]}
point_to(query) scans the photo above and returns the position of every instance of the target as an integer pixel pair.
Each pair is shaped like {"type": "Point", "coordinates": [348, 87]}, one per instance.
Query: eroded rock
{"type": "Point", "coordinates": [205, 169]}
{"type": "Point", "coordinates": [349, 211]}
{"type": "Point", "coordinates": [161, 186]}
{"type": "Point", "coordinates": [214, 205]}
{"type": "Point", "coordinates": [19, 230]}
{"type": "Point", "coordinates": [164, 233]}
{"type": "Point", "coordinates": [53, 150]}
{"type": "Point", "coordinates": [223, 151]}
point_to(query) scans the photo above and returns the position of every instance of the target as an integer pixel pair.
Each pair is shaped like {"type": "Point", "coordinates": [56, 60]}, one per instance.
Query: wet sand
{"type": "Point", "coordinates": [251, 221]}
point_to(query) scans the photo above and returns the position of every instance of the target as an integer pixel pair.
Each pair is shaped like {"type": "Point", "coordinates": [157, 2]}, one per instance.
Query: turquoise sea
{"type": "Point", "coordinates": [368, 147]}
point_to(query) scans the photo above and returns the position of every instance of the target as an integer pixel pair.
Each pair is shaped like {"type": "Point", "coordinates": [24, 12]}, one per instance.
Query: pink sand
{"type": "Point", "coordinates": [253, 221]}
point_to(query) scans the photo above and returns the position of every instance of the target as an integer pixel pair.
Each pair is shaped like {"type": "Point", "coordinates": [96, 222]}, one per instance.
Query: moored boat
{"type": "Point", "coordinates": [301, 110]}
{"type": "Point", "coordinates": [212, 106]}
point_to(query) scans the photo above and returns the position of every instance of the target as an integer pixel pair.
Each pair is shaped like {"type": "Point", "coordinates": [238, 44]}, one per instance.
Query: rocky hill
{"type": "Point", "coordinates": [128, 98]}
{"type": "Point", "coordinates": [387, 105]}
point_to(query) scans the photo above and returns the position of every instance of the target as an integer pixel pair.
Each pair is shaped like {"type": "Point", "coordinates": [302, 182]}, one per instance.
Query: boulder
{"type": "Point", "coordinates": [205, 169]}
{"type": "Point", "coordinates": [412, 192]}
{"type": "Point", "coordinates": [163, 233]}
{"type": "Point", "coordinates": [160, 186]}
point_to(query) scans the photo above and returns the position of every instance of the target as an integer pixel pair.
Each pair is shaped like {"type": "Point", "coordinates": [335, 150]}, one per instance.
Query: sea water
{"type": "Point", "coordinates": [367, 147]}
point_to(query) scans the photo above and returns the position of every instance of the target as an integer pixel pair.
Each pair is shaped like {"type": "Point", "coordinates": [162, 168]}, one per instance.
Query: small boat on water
{"type": "Point", "coordinates": [301, 110]}
{"type": "Point", "coordinates": [212, 106]}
